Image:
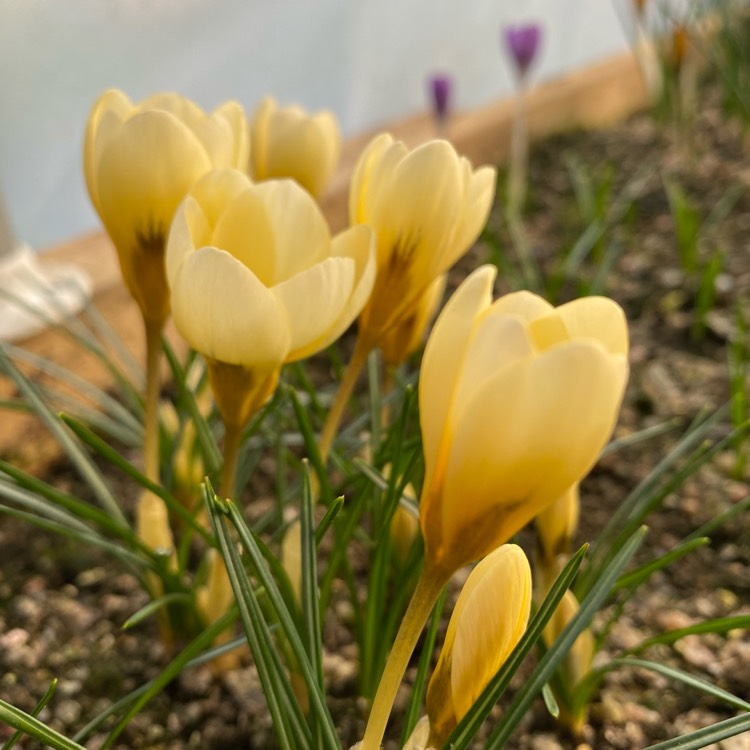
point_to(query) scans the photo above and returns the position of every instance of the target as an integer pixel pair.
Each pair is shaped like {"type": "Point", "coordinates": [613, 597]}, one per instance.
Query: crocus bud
{"type": "Point", "coordinates": [440, 91]}
{"type": "Point", "coordinates": [420, 736]}
{"type": "Point", "coordinates": [289, 142]}
{"type": "Point", "coordinates": [291, 557]}
{"type": "Point", "coordinates": [488, 621]}
{"type": "Point", "coordinates": [557, 524]}
{"type": "Point", "coordinates": [517, 398]}
{"type": "Point", "coordinates": [522, 43]}
{"type": "Point", "coordinates": [427, 207]}
{"type": "Point", "coordinates": [257, 281]}
{"type": "Point", "coordinates": [139, 161]}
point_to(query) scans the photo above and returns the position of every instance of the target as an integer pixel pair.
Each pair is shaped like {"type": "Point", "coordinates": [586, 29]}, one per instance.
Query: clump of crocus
{"type": "Point", "coordinates": [488, 620]}
{"type": "Point", "coordinates": [427, 207]}
{"type": "Point", "coordinates": [440, 88]}
{"type": "Point", "coordinates": [517, 399]}
{"type": "Point", "coordinates": [139, 161]}
{"type": "Point", "coordinates": [289, 142]}
{"type": "Point", "coordinates": [522, 45]}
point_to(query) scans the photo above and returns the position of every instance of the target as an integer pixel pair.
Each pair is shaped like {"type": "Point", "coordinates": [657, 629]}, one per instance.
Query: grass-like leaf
{"type": "Point", "coordinates": [43, 701]}
{"type": "Point", "coordinates": [706, 736]}
{"type": "Point", "coordinates": [28, 724]}
{"type": "Point", "coordinates": [719, 625]}
{"type": "Point", "coordinates": [77, 455]}
{"type": "Point", "coordinates": [154, 606]}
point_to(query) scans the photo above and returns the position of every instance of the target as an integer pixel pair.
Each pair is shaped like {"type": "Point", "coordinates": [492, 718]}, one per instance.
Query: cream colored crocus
{"type": "Point", "coordinates": [557, 524]}
{"type": "Point", "coordinates": [257, 281]}
{"type": "Point", "coordinates": [140, 160]}
{"type": "Point", "coordinates": [427, 207]}
{"type": "Point", "coordinates": [517, 399]}
{"type": "Point", "coordinates": [488, 620]}
{"type": "Point", "coordinates": [290, 142]}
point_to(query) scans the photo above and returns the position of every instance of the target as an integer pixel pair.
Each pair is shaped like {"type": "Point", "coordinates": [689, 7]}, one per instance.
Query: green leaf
{"type": "Point", "coordinates": [706, 736]}
{"type": "Point", "coordinates": [680, 676]}
{"type": "Point", "coordinates": [553, 657]}
{"type": "Point", "coordinates": [291, 730]}
{"type": "Point", "coordinates": [470, 724]}
{"type": "Point", "coordinates": [330, 516]}
{"type": "Point", "coordinates": [718, 625]}
{"type": "Point", "coordinates": [154, 606]}
{"type": "Point", "coordinates": [28, 724]}
{"type": "Point", "coordinates": [43, 701]}
{"type": "Point", "coordinates": [636, 577]}
{"type": "Point", "coordinates": [78, 457]}
{"type": "Point", "coordinates": [550, 702]}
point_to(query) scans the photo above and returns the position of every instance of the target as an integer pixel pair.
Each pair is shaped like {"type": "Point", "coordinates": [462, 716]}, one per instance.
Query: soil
{"type": "Point", "coordinates": [61, 605]}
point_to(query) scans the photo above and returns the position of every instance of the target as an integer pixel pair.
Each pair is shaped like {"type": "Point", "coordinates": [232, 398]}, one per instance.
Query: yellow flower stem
{"type": "Point", "coordinates": [429, 585]}
{"type": "Point", "coordinates": [153, 389]}
{"type": "Point", "coordinates": [232, 443]}
{"type": "Point", "coordinates": [362, 348]}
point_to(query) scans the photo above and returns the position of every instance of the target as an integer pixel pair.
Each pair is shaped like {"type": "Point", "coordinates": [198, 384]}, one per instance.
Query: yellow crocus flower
{"type": "Point", "coordinates": [140, 160]}
{"type": "Point", "coordinates": [427, 207]}
{"type": "Point", "coordinates": [257, 281]}
{"type": "Point", "coordinates": [289, 142]}
{"type": "Point", "coordinates": [488, 620]}
{"type": "Point", "coordinates": [517, 399]}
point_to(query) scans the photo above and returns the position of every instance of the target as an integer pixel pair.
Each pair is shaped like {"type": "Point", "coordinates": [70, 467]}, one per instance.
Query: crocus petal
{"type": "Point", "coordinates": [259, 136]}
{"type": "Point", "coordinates": [217, 189]}
{"type": "Point", "coordinates": [301, 231]}
{"type": "Point", "coordinates": [491, 621]}
{"type": "Point", "coordinates": [223, 311]}
{"type": "Point", "coordinates": [598, 318]}
{"type": "Point", "coordinates": [234, 115]}
{"type": "Point", "coordinates": [107, 115]}
{"type": "Point", "coordinates": [245, 230]}
{"type": "Point", "coordinates": [444, 355]}
{"type": "Point", "coordinates": [526, 305]}
{"type": "Point", "coordinates": [143, 174]}
{"type": "Point", "coordinates": [189, 231]}
{"type": "Point", "coordinates": [547, 418]}
{"type": "Point", "coordinates": [314, 300]}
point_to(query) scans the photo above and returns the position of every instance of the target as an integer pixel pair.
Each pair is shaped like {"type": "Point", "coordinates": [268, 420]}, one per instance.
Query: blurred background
{"type": "Point", "coordinates": [367, 60]}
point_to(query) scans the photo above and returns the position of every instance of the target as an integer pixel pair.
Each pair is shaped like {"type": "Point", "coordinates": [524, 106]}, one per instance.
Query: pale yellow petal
{"type": "Point", "coordinates": [108, 113]}
{"type": "Point", "coordinates": [223, 311]}
{"type": "Point", "coordinates": [419, 736]}
{"type": "Point", "coordinates": [490, 621]}
{"type": "Point", "coordinates": [598, 318]}
{"type": "Point", "coordinates": [143, 174]}
{"type": "Point", "coordinates": [301, 232]}
{"type": "Point", "coordinates": [528, 434]}
{"type": "Point", "coordinates": [259, 127]}
{"type": "Point", "coordinates": [372, 175]}
{"type": "Point", "coordinates": [526, 305]}
{"type": "Point", "coordinates": [245, 230]}
{"type": "Point", "coordinates": [188, 232]}
{"type": "Point", "coordinates": [478, 201]}
{"type": "Point", "coordinates": [444, 355]}
{"type": "Point", "coordinates": [498, 341]}
{"type": "Point", "coordinates": [233, 114]}
{"type": "Point", "coordinates": [314, 299]}
{"type": "Point", "coordinates": [217, 189]}
{"type": "Point", "coordinates": [417, 214]}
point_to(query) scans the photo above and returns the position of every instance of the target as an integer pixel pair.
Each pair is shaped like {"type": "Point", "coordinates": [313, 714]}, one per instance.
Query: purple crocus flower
{"type": "Point", "coordinates": [440, 89]}
{"type": "Point", "coordinates": [522, 43]}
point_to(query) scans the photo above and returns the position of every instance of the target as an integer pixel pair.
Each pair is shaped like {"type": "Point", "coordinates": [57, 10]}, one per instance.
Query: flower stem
{"type": "Point", "coordinates": [153, 389]}
{"type": "Point", "coordinates": [232, 442]}
{"type": "Point", "coordinates": [519, 148]}
{"type": "Point", "coordinates": [429, 585]}
{"type": "Point", "coordinates": [356, 363]}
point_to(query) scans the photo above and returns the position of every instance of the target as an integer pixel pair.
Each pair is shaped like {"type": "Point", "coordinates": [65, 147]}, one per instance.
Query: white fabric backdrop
{"type": "Point", "coordinates": [365, 59]}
